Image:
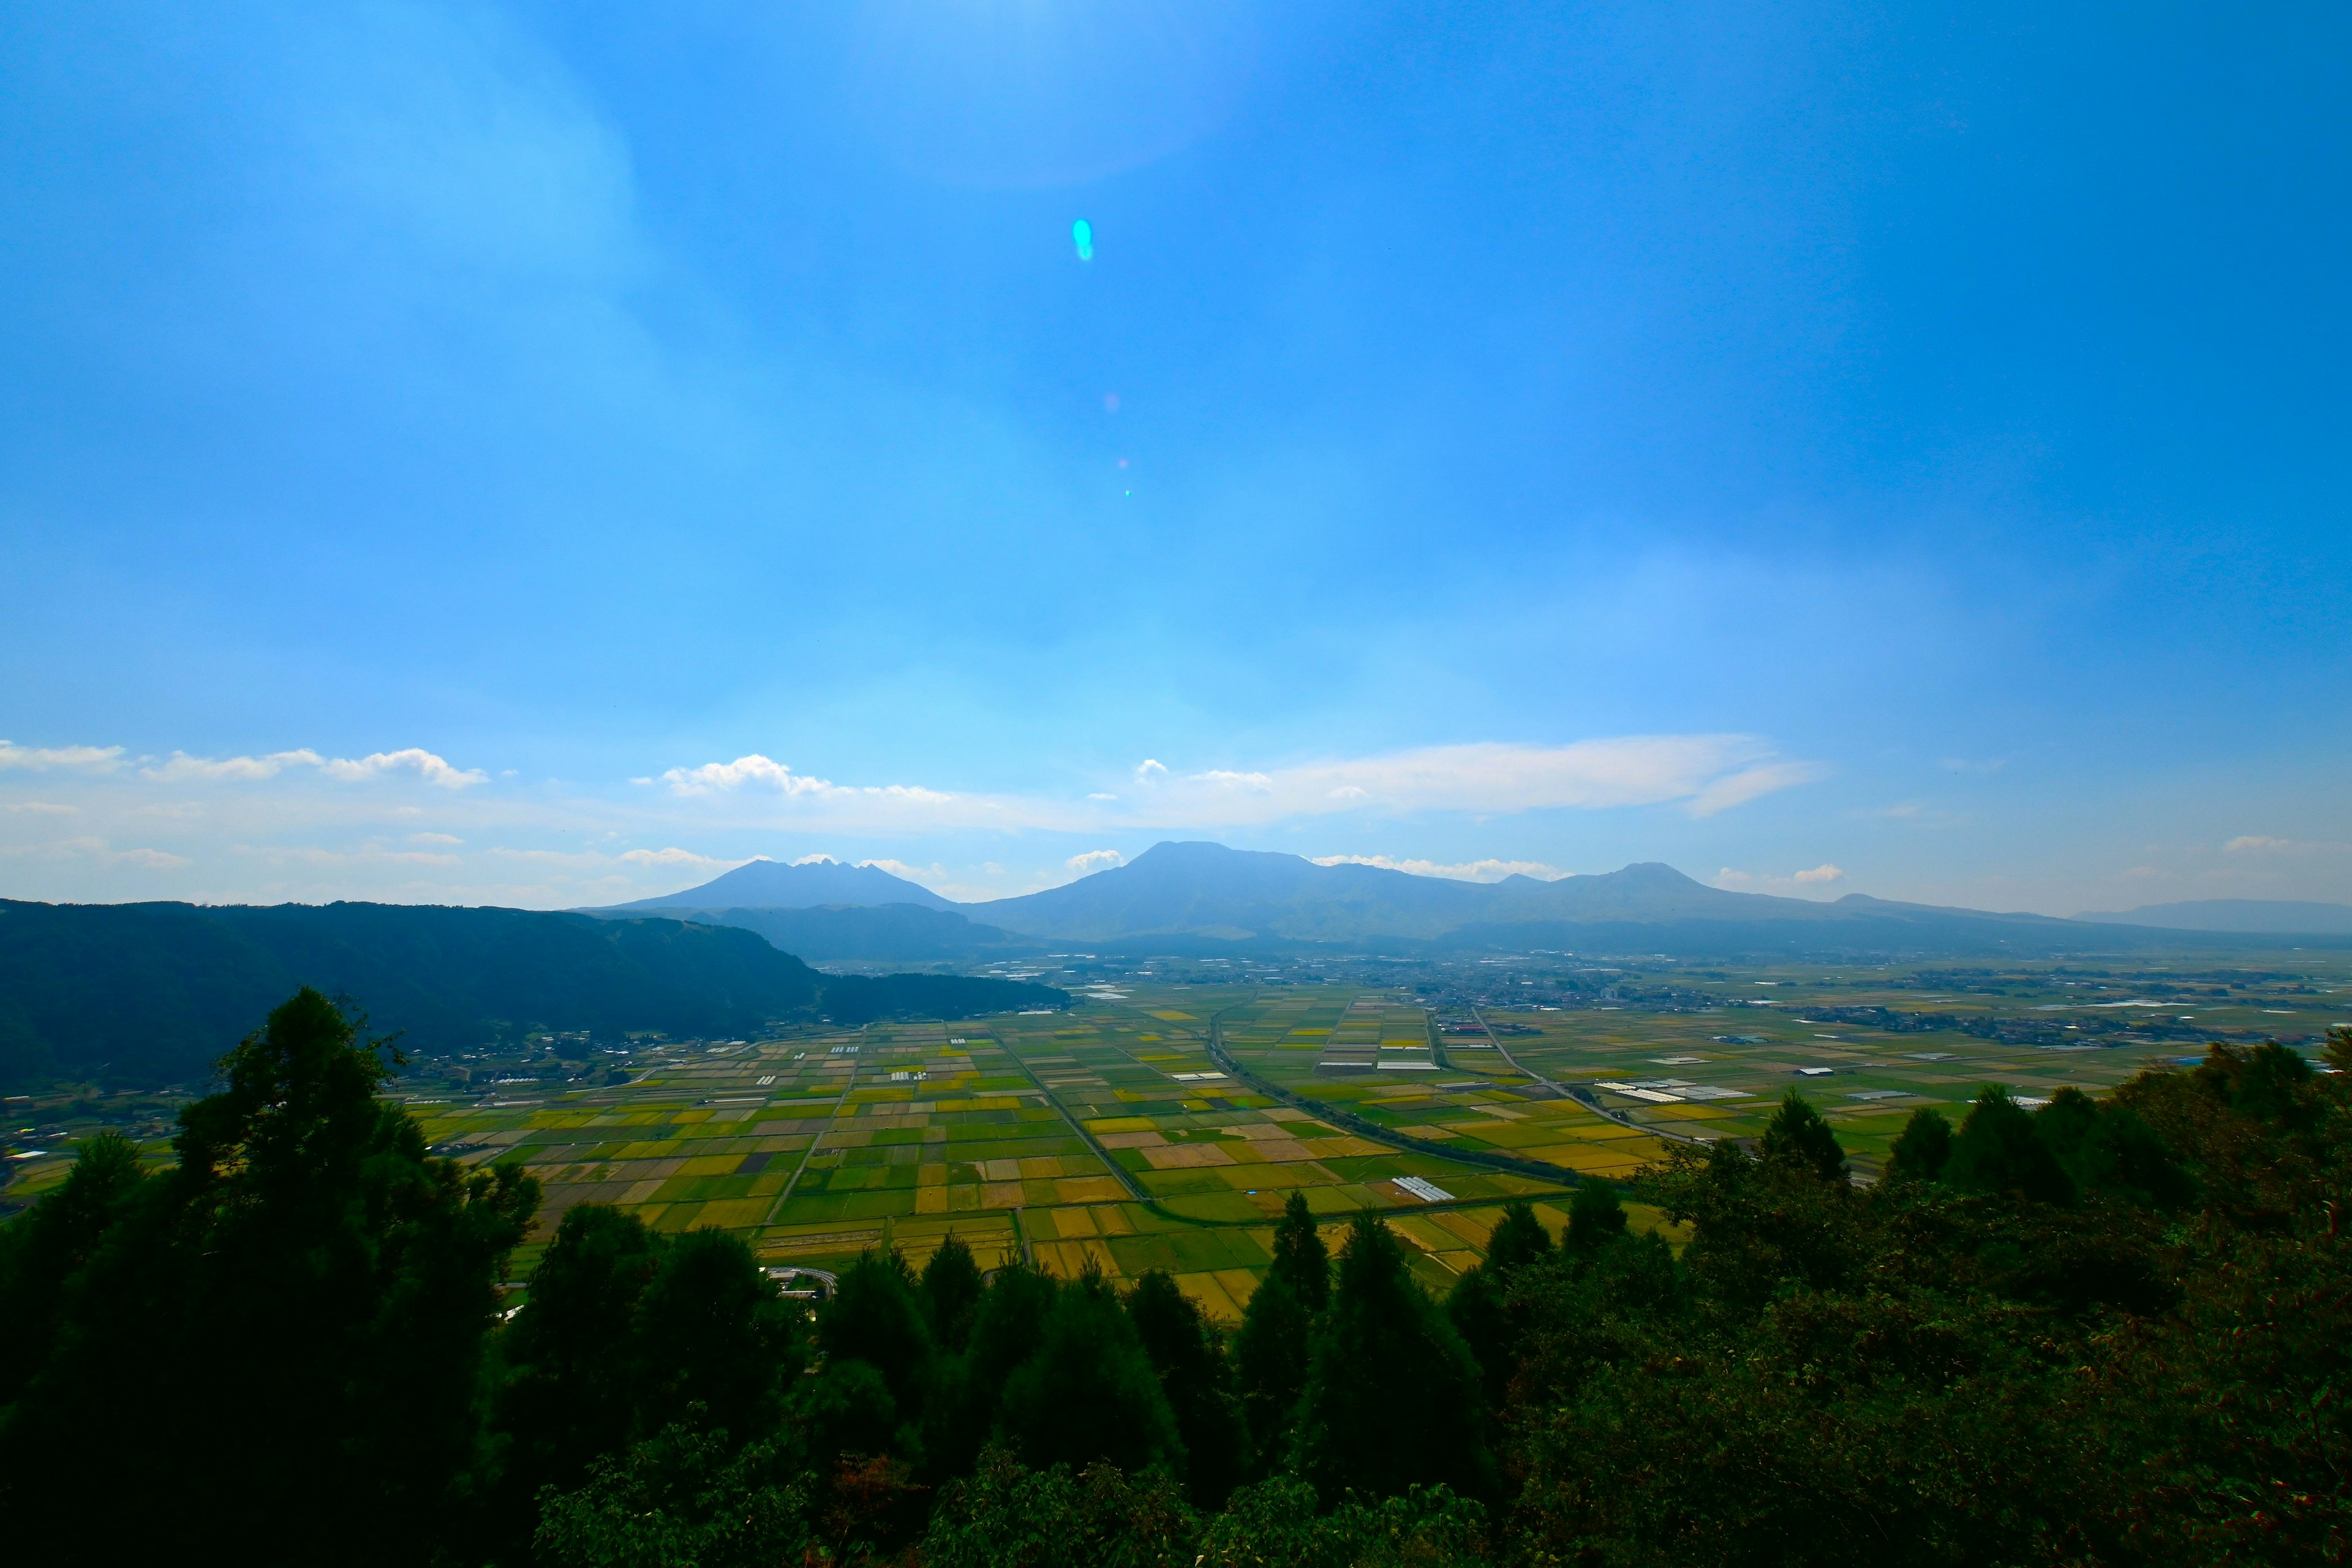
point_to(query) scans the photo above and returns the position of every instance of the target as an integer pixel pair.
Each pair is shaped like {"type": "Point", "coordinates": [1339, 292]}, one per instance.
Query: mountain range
{"type": "Point", "coordinates": [2283, 917]}
{"type": "Point", "coordinates": [1207, 896]}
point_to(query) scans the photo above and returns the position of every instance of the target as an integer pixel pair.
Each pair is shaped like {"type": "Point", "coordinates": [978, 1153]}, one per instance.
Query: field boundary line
{"type": "Point", "coordinates": [1578, 1092]}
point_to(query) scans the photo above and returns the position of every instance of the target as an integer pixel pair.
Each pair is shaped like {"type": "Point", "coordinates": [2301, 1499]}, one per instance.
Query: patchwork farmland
{"type": "Point", "coordinates": [1163, 1122]}
{"type": "Point", "coordinates": [1107, 1135]}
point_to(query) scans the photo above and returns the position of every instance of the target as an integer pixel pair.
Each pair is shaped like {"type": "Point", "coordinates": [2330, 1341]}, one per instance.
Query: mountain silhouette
{"type": "Point", "coordinates": [773, 885]}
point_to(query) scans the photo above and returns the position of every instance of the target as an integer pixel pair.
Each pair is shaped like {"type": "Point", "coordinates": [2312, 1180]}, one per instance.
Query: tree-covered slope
{"type": "Point", "coordinates": [876, 932]}
{"type": "Point", "coordinates": [153, 993]}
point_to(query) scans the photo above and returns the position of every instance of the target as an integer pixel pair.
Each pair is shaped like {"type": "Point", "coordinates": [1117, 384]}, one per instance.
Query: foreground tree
{"type": "Point", "coordinates": [625, 1333]}
{"type": "Point", "coordinates": [1271, 1354]}
{"type": "Point", "coordinates": [683, 1496]}
{"type": "Point", "coordinates": [1089, 1393]}
{"type": "Point", "coordinates": [1300, 1258]}
{"type": "Point", "coordinates": [1187, 1351]}
{"type": "Point", "coordinates": [291, 1318]}
{"type": "Point", "coordinates": [1391, 1397]}
{"type": "Point", "coordinates": [1009, 1516]}
{"type": "Point", "coordinates": [1923, 1149]}
{"type": "Point", "coordinates": [951, 1289]}
{"type": "Point", "coordinates": [1798, 1136]}
{"type": "Point", "coordinates": [1595, 1217]}
{"type": "Point", "coordinates": [2000, 1150]}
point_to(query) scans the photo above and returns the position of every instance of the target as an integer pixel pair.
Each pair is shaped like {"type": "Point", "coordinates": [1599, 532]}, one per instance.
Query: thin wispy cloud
{"type": "Point", "coordinates": [40, 759]}
{"type": "Point", "coordinates": [1817, 877]}
{"type": "Point", "coordinates": [96, 851]}
{"type": "Point", "coordinates": [675, 856]}
{"type": "Point", "coordinates": [2263, 846]}
{"type": "Point", "coordinates": [929, 875]}
{"type": "Point", "coordinates": [759, 774]}
{"type": "Point", "coordinates": [1703, 774]}
{"type": "Point", "coordinates": [180, 767]}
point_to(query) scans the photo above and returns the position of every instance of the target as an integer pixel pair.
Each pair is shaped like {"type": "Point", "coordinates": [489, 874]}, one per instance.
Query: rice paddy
{"type": "Point", "coordinates": [1163, 1122]}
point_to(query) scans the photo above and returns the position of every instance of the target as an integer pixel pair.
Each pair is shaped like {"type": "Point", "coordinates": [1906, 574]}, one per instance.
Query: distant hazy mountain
{"type": "Point", "coordinates": [1189, 894]}
{"type": "Point", "coordinates": [2279, 917]}
{"type": "Point", "coordinates": [770, 885]}
{"type": "Point", "coordinates": [152, 993]}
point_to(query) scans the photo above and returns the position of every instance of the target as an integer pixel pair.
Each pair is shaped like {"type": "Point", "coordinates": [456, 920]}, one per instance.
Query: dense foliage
{"type": "Point", "coordinates": [2107, 1332]}
{"type": "Point", "coordinates": [145, 993]}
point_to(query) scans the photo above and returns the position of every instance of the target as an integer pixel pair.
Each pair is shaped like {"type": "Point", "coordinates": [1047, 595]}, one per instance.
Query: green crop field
{"type": "Point", "coordinates": [1107, 1135]}
{"type": "Point", "coordinates": [1113, 1133]}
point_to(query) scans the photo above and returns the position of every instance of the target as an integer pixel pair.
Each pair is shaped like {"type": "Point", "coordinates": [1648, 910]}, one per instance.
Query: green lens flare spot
{"type": "Point", "coordinates": [1082, 235]}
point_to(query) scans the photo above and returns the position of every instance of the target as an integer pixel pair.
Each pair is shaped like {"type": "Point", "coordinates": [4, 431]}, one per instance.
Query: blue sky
{"type": "Point", "coordinates": [539, 452]}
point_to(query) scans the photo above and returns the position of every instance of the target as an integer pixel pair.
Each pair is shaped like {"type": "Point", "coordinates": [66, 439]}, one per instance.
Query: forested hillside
{"type": "Point", "coordinates": [898, 933]}
{"type": "Point", "coordinates": [149, 994]}
{"type": "Point", "coordinates": [2107, 1332]}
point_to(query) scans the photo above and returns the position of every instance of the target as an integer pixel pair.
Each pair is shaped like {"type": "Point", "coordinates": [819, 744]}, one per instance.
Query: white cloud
{"type": "Point", "coordinates": [1095, 861]}
{"type": "Point", "coordinates": [2256, 843]}
{"type": "Point", "coordinates": [181, 768]}
{"type": "Point", "coordinates": [1466, 871]}
{"type": "Point", "coordinates": [1740, 881]}
{"type": "Point", "coordinates": [40, 807]}
{"type": "Point", "coordinates": [756, 772]}
{"type": "Point", "coordinates": [37, 759]}
{"type": "Point", "coordinates": [815, 860]}
{"type": "Point", "coordinates": [1150, 770]}
{"type": "Point", "coordinates": [435, 838]}
{"type": "Point", "coordinates": [432, 770]}
{"type": "Point", "coordinates": [671, 856]}
{"type": "Point", "coordinates": [929, 875]}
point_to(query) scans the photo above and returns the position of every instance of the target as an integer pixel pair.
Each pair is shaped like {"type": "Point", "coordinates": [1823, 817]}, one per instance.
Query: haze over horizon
{"type": "Point", "coordinates": [505, 453]}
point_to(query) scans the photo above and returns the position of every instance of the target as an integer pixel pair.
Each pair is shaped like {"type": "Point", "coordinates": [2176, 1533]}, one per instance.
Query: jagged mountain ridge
{"type": "Point", "coordinates": [1207, 889]}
